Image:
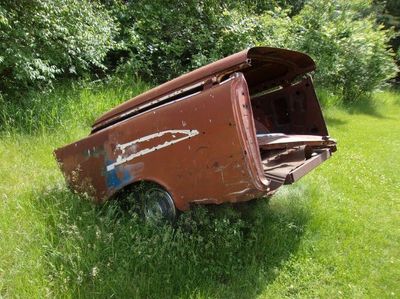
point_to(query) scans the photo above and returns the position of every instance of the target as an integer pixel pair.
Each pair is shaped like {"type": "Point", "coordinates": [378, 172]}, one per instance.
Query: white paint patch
{"type": "Point", "coordinates": [244, 191]}
{"type": "Point", "coordinates": [205, 200]}
{"type": "Point", "coordinates": [121, 159]}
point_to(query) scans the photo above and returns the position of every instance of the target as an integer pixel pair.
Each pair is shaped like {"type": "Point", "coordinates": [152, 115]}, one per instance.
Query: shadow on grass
{"type": "Point", "coordinates": [334, 122]}
{"type": "Point", "coordinates": [219, 251]}
{"type": "Point", "coordinates": [367, 106]}
{"type": "Point", "coordinates": [395, 93]}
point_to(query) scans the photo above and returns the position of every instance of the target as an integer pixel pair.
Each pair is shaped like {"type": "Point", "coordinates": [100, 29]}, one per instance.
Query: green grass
{"type": "Point", "coordinates": [335, 233]}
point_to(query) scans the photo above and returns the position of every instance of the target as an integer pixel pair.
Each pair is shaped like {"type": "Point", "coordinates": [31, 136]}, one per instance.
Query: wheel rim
{"type": "Point", "coordinates": [158, 205]}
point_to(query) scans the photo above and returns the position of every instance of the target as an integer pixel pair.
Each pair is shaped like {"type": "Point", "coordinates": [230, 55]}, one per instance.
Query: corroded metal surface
{"type": "Point", "coordinates": [208, 136]}
{"type": "Point", "coordinates": [283, 66]}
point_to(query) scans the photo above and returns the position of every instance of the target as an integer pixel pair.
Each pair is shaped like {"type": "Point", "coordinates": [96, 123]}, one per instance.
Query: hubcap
{"type": "Point", "coordinates": [158, 205]}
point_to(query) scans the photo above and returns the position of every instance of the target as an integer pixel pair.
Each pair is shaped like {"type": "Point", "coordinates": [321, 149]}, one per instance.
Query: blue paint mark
{"type": "Point", "coordinates": [113, 180]}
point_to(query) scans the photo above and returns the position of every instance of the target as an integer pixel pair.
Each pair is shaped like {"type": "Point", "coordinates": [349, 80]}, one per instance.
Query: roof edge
{"type": "Point", "coordinates": [301, 62]}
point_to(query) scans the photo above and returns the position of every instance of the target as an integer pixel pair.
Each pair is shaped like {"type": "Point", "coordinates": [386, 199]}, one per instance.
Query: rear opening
{"type": "Point", "coordinates": [290, 129]}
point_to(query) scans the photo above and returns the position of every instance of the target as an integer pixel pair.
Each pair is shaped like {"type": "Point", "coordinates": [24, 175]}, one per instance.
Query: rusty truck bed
{"type": "Point", "coordinates": [233, 130]}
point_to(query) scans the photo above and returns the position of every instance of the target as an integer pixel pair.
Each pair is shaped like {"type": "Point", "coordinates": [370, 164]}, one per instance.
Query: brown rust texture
{"type": "Point", "coordinates": [198, 135]}
{"type": "Point", "coordinates": [198, 155]}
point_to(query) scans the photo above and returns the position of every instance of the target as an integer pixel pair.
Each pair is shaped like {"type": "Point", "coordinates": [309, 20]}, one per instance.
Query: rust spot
{"type": "Point", "coordinates": [175, 136]}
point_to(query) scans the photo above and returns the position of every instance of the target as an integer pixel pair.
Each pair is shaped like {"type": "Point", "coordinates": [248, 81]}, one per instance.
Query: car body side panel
{"type": "Point", "coordinates": [196, 135]}
{"type": "Point", "coordinates": [193, 147]}
{"type": "Point", "coordinates": [263, 67]}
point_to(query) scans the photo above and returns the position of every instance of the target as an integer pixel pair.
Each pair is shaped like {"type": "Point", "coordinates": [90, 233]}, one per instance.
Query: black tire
{"type": "Point", "coordinates": [158, 205]}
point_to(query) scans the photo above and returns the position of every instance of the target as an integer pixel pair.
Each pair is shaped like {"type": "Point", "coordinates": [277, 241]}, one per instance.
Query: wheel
{"type": "Point", "coordinates": [158, 205]}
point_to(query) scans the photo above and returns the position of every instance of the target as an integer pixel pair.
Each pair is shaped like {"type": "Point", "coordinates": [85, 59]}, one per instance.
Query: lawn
{"type": "Point", "coordinates": [335, 233]}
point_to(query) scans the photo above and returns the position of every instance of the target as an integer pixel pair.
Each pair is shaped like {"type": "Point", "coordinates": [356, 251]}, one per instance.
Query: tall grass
{"type": "Point", "coordinates": [333, 234]}
{"type": "Point", "coordinates": [84, 251]}
{"type": "Point", "coordinates": [70, 104]}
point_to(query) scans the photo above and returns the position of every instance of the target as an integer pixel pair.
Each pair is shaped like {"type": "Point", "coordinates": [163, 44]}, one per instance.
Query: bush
{"type": "Point", "coordinates": [351, 50]}
{"type": "Point", "coordinates": [166, 39]}
{"type": "Point", "coordinates": [160, 40]}
{"type": "Point", "coordinates": [44, 38]}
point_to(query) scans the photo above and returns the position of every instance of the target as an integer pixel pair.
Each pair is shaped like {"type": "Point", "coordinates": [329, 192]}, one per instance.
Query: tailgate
{"type": "Point", "coordinates": [290, 157]}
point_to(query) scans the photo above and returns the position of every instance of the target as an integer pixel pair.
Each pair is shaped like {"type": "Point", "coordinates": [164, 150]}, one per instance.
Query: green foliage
{"type": "Point", "coordinates": [260, 6]}
{"type": "Point", "coordinates": [350, 49]}
{"type": "Point", "coordinates": [67, 105]}
{"type": "Point", "coordinates": [166, 39]}
{"type": "Point", "coordinates": [160, 40]}
{"type": "Point", "coordinates": [389, 14]}
{"type": "Point", "coordinates": [44, 38]}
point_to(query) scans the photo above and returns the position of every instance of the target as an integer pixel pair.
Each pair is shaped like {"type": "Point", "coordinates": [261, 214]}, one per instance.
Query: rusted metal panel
{"type": "Point", "coordinates": [310, 164]}
{"type": "Point", "coordinates": [283, 66]}
{"type": "Point", "coordinates": [213, 135]}
{"type": "Point", "coordinates": [279, 141]}
{"type": "Point", "coordinates": [191, 146]}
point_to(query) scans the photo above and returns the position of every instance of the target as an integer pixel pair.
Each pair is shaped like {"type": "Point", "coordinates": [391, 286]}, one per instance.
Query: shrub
{"type": "Point", "coordinates": [166, 39]}
{"type": "Point", "coordinates": [351, 50]}
{"type": "Point", "coordinates": [160, 40]}
{"type": "Point", "coordinates": [44, 38]}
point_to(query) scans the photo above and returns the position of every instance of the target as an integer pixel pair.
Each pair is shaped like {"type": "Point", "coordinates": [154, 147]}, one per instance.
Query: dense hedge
{"type": "Point", "coordinates": [44, 38]}
{"type": "Point", "coordinates": [159, 39]}
{"type": "Point", "coordinates": [351, 50]}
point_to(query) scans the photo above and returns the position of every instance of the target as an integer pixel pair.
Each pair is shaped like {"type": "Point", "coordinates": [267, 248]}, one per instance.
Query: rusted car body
{"type": "Point", "coordinates": [231, 131]}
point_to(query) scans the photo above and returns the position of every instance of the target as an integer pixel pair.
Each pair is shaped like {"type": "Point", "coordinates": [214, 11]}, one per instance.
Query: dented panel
{"type": "Point", "coordinates": [231, 131]}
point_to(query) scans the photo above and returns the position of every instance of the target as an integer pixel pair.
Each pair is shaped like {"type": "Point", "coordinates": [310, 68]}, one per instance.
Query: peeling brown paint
{"type": "Point", "coordinates": [233, 130]}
